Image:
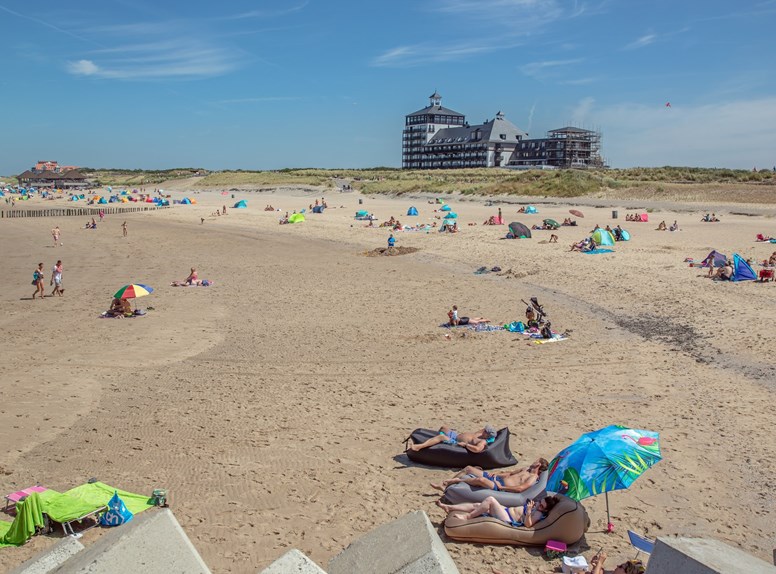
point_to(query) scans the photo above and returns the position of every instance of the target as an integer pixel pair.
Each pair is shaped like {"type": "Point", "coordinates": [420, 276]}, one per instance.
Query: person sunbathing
{"type": "Point", "coordinates": [724, 273]}
{"type": "Point", "coordinates": [517, 480]}
{"type": "Point", "coordinates": [528, 515]}
{"type": "Point", "coordinates": [628, 567]}
{"type": "Point", "coordinates": [119, 308]}
{"type": "Point", "coordinates": [471, 441]}
{"type": "Point", "coordinates": [661, 226]}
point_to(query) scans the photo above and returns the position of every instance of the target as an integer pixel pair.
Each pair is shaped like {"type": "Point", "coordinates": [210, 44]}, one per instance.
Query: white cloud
{"type": "Point", "coordinates": [408, 56]}
{"type": "Point", "coordinates": [582, 111]}
{"type": "Point", "coordinates": [645, 40]}
{"type": "Point", "coordinates": [83, 68]}
{"type": "Point", "coordinates": [735, 134]}
{"type": "Point", "coordinates": [546, 68]}
{"type": "Point", "coordinates": [173, 58]}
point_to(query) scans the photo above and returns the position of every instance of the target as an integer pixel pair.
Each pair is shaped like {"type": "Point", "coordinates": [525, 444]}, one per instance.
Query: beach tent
{"type": "Point", "coordinates": [602, 237]}
{"type": "Point", "coordinates": [742, 271]}
{"type": "Point", "coordinates": [362, 213]}
{"type": "Point", "coordinates": [113, 199]}
{"type": "Point", "coordinates": [317, 209]}
{"type": "Point", "coordinates": [519, 230]}
{"type": "Point", "coordinates": [296, 218]}
{"type": "Point", "coordinates": [451, 215]}
{"type": "Point", "coordinates": [530, 209]}
{"type": "Point", "coordinates": [242, 204]}
{"type": "Point", "coordinates": [74, 198]}
{"type": "Point", "coordinates": [624, 235]}
{"type": "Point", "coordinates": [412, 211]}
{"type": "Point", "coordinates": [717, 259]}
{"type": "Point", "coordinates": [124, 200]}
{"type": "Point", "coordinates": [185, 201]}
{"type": "Point", "coordinates": [445, 208]}
{"type": "Point", "coordinates": [102, 200]}
{"type": "Point", "coordinates": [644, 217]}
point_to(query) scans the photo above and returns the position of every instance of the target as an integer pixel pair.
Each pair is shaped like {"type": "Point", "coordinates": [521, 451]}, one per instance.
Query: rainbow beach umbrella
{"type": "Point", "coordinates": [133, 291]}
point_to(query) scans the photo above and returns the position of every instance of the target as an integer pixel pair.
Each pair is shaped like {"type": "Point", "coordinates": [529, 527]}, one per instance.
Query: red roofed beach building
{"type": "Point", "coordinates": [51, 174]}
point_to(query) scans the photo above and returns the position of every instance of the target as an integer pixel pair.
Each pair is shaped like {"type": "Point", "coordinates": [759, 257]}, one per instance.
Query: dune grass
{"type": "Point", "coordinates": [666, 183]}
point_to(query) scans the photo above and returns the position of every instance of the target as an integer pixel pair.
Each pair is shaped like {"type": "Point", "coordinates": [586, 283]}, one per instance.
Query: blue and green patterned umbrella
{"type": "Point", "coordinates": [607, 459]}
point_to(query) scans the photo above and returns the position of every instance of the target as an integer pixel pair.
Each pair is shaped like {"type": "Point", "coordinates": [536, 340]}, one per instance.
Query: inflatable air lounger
{"type": "Point", "coordinates": [463, 492]}
{"type": "Point", "coordinates": [567, 522]}
{"type": "Point", "coordinates": [495, 455]}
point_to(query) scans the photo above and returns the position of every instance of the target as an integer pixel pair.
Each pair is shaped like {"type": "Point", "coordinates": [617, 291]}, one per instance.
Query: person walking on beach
{"type": "Point", "coordinates": [102, 215]}
{"type": "Point", "coordinates": [37, 280]}
{"type": "Point", "coordinates": [56, 279]}
{"type": "Point", "coordinates": [55, 233]}
{"type": "Point", "coordinates": [391, 241]}
{"type": "Point", "coordinates": [224, 209]}
{"type": "Point", "coordinates": [124, 228]}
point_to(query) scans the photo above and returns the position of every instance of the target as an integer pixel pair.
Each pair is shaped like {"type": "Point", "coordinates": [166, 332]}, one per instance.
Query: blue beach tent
{"type": "Point", "coordinates": [317, 209]}
{"type": "Point", "coordinates": [412, 211]}
{"type": "Point", "coordinates": [102, 200]}
{"type": "Point", "coordinates": [624, 235]}
{"type": "Point", "coordinates": [451, 215]}
{"type": "Point", "coordinates": [602, 237]}
{"type": "Point", "coordinates": [185, 201]}
{"type": "Point", "coordinates": [742, 271]}
{"type": "Point", "coordinates": [242, 204]}
{"type": "Point", "coordinates": [445, 208]}
{"type": "Point", "coordinates": [530, 209]}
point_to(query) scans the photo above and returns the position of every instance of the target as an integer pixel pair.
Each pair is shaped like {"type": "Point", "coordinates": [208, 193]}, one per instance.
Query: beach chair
{"type": "Point", "coordinates": [15, 497]}
{"type": "Point", "coordinates": [640, 543]}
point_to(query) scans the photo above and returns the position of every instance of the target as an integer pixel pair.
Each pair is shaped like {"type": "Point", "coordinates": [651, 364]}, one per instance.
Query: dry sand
{"type": "Point", "coordinates": [273, 405]}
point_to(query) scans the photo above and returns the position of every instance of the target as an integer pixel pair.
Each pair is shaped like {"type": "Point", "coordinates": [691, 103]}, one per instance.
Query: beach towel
{"type": "Point", "coordinates": [555, 338]}
{"type": "Point", "coordinates": [100, 494]}
{"type": "Point", "coordinates": [29, 518]}
{"type": "Point", "coordinates": [598, 250]}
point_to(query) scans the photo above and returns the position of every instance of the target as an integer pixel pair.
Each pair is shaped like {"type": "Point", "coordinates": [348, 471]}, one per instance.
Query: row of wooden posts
{"type": "Point", "coordinates": [75, 211]}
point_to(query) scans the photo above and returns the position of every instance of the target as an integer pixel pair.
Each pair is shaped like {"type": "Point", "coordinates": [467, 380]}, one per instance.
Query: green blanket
{"type": "Point", "coordinates": [98, 494]}
{"type": "Point", "coordinates": [63, 507]}
{"type": "Point", "coordinates": [29, 517]}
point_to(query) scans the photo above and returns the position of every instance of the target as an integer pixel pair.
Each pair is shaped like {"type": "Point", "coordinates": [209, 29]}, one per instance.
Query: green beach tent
{"type": "Point", "coordinates": [296, 218]}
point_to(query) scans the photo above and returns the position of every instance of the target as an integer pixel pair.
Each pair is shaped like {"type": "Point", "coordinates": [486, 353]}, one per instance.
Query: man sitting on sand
{"type": "Point", "coordinates": [517, 480]}
{"type": "Point", "coordinates": [471, 441]}
{"type": "Point", "coordinates": [120, 308]}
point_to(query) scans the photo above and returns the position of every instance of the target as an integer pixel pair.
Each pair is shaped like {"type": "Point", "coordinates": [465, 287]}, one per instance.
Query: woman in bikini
{"type": "Point", "coordinates": [526, 515]}
{"type": "Point", "coordinates": [37, 280]}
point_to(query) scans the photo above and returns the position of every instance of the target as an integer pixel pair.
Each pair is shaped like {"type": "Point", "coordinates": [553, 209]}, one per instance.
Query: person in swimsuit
{"type": "Point", "coordinates": [517, 480]}
{"type": "Point", "coordinates": [629, 567]}
{"type": "Point", "coordinates": [526, 515]}
{"type": "Point", "coordinates": [471, 441]}
{"type": "Point", "coordinates": [37, 280]}
{"type": "Point", "coordinates": [192, 278]}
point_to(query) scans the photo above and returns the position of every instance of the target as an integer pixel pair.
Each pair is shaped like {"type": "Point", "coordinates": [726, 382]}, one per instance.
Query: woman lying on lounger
{"type": "Point", "coordinates": [527, 515]}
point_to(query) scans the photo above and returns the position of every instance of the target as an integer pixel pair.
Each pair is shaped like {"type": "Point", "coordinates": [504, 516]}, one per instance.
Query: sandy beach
{"type": "Point", "coordinates": [273, 405]}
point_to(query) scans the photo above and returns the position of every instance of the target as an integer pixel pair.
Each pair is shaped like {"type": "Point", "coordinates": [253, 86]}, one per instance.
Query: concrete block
{"type": "Point", "coordinates": [293, 562]}
{"type": "Point", "coordinates": [703, 556]}
{"type": "Point", "coordinates": [48, 560]}
{"type": "Point", "coordinates": [152, 543]}
{"type": "Point", "coordinates": [409, 545]}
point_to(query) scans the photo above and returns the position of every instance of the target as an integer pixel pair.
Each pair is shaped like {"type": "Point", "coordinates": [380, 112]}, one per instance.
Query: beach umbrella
{"type": "Point", "coordinates": [576, 213]}
{"type": "Point", "coordinates": [133, 290]}
{"type": "Point", "coordinates": [611, 458]}
{"type": "Point", "coordinates": [519, 230]}
{"type": "Point", "coordinates": [551, 223]}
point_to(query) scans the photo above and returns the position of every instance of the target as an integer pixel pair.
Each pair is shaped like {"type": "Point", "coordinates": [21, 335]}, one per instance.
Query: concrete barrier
{"type": "Point", "coordinates": [51, 558]}
{"type": "Point", "coordinates": [703, 556]}
{"type": "Point", "coordinates": [293, 562]}
{"type": "Point", "coordinates": [409, 545]}
{"type": "Point", "coordinates": [152, 543]}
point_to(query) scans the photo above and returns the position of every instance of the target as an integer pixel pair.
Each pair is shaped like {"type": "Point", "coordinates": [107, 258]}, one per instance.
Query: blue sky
{"type": "Point", "coordinates": [308, 83]}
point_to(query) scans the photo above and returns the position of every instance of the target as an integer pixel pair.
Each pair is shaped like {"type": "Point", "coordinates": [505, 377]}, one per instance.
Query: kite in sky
{"type": "Point", "coordinates": [668, 104]}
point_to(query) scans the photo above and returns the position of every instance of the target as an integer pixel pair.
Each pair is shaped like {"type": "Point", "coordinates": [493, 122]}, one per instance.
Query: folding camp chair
{"type": "Point", "coordinates": [640, 543]}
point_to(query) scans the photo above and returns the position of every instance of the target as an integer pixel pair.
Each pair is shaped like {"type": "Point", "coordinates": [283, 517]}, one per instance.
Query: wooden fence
{"type": "Point", "coordinates": [75, 211]}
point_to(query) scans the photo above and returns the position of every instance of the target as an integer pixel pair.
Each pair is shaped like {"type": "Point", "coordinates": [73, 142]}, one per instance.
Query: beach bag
{"type": "Point", "coordinates": [117, 513]}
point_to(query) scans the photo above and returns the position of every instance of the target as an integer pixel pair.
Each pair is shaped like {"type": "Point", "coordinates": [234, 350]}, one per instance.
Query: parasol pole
{"type": "Point", "coordinates": [609, 525]}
